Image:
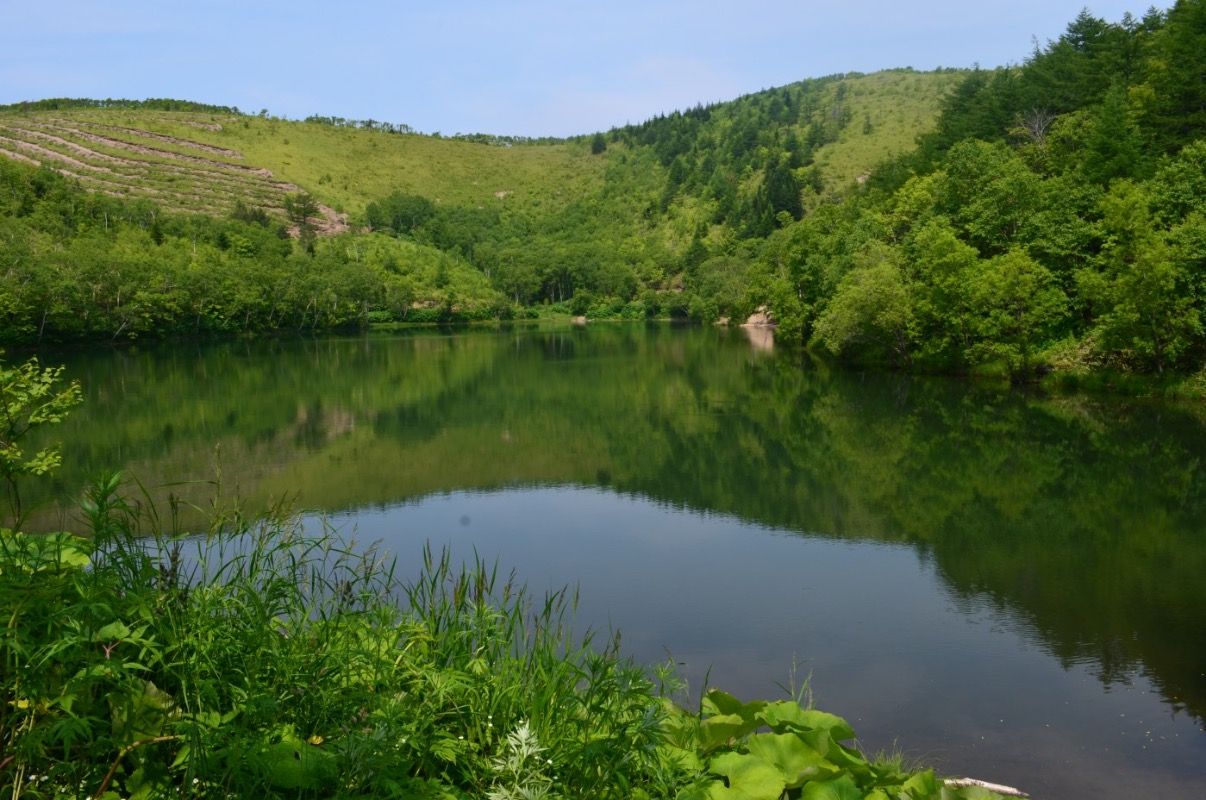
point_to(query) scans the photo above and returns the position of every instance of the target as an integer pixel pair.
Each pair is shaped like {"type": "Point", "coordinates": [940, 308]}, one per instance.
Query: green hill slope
{"type": "Point", "coordinates": [167, 218]}
{"type": "Point", "coordinates": [201, 161]}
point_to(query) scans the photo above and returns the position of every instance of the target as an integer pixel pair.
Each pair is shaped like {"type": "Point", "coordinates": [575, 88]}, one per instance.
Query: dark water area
{"type": "Point", "coordinates": [1006, 585]}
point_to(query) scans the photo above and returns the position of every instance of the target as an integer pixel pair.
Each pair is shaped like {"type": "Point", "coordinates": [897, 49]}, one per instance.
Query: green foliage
{"type": "Point", "coordinates": [771, 198]}
{"type": "Point", "coordinates": [616, 215]}
{"type": "Point", "coordinates": [300, 207]}
{"type": "Point", "coordinates": [85, 266]}
{"type": "Point", "coordinates": [151, 104]}
{"type": "Point", "coordinates": [1038, 219]}
{"type": "Point", "coordinates": [30, 397]}
{"type": "Point", "coordinates": [870, 310]}
{"type": "Point", "coordinates": [1014, 305]}
{"type": "Point", "coordinates": [135, 666]}
{"type": "Point", "coordinates": [1147, 301]}
{"type": "Point", "coordinates": [399, 213]}
{"type": "Point", "coordinates": [771, 750]}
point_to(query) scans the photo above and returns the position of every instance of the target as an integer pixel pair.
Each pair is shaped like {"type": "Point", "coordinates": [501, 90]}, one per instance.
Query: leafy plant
{"type": "Point", "coordinates": [30, 397]}
{"type": "Point", "coordinates": [771, 750]}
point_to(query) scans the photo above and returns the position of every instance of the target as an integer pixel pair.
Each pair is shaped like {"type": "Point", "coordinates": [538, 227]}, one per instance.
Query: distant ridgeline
{"type": "Point", "coordinates": [150, 104]}
{"type": "Point", "coordinates": [1015, 221]}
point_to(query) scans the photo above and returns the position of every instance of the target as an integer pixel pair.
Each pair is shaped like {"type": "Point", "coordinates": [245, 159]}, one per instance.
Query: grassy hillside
{"type": "Point", "coordinates": [201, 161]}
{"type": "Point", "coordinates": [167, 218]}
{"type": "Point", "coordinates": [899, 105]}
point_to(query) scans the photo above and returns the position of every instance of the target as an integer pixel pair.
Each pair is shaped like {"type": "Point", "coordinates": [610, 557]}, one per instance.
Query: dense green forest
{"type": "Point", "coordinates": [1055, 218]}
{"type": "Point", "coordinates": [1017, 220]}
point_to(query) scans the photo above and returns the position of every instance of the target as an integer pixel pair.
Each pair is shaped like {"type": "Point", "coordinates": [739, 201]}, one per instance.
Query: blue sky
{"type": "Point", "coordinates": [526, 67]}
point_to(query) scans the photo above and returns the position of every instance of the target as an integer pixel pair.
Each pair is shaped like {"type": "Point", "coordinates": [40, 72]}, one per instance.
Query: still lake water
{"type": "Point", "coordinates": [1005, 585]}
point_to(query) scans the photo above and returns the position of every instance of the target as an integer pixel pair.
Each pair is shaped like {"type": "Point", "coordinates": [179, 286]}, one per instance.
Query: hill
{"type": "Point", "coordinates": [1049, 217]}
{"type": "Point", "coordinates": [463, 226]}
{"type": "Point", "coordinates": [200, 161]}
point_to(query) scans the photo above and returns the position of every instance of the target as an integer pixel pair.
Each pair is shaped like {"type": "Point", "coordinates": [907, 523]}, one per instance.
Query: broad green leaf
{"type": "Point", "coordinates": [293, 764]}
{"type": "Point", "coordinates": [795, 760]}
{"type": "Point", "coordinates": [923, 784]}
{"type": "Point", "coordinates": [782, 714]}
{"type": "Point", "coordinates": [718, 701]}
{"type": "Point", "coordinates": [68, 549]}
{"type": "Point", "coordinates": [113, 632]}
{"type": "Point", "coordinates": [750, 778]}
{"type": "Point", "coordinates": [182, 756]}
{"type": "Point", "coordinates": [838, 728]}
{"type": "Point", "coordinates": [695, 792]}
{"type": "Point", "coordinates": [140, 716]}
{"type": "Point", "coordinates": [847, 758]}
{"type": "Point", "coordinates": [51, 552]}
{"type": "Point", "coordinates": [718, 730]}
{"type": "Point", "coordinates": [843, 788]}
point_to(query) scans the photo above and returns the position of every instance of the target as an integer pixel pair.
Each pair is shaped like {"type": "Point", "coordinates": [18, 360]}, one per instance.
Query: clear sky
{"type": "Point", "coordinates": [525, 67]}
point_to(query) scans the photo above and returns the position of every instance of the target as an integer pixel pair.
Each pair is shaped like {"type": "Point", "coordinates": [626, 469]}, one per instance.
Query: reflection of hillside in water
{"type": "Point", "coordinates": [1083, 518]}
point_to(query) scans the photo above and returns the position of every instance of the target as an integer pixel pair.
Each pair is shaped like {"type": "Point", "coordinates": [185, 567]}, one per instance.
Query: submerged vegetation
{"type": "Point", "coordinates": [253, 660]}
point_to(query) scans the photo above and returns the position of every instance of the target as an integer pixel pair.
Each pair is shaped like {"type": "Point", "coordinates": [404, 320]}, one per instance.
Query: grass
{"type": "Point", "coordinates": [257, 661]}
{"type": "Point", "coordinates": [253, 660]}
{"type": "Point", "coordinates": [901, 105]}
{"type": "Point", "coordinates": [348, 168]}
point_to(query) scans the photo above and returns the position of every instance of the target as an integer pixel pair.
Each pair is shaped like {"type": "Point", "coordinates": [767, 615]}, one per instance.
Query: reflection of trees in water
{"type": "Point", "coordinates": [1080, 517]}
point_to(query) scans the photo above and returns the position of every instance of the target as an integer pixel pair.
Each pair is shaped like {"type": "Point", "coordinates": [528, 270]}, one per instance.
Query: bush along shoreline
{"type": "Point", "coordinates": [255, 659]}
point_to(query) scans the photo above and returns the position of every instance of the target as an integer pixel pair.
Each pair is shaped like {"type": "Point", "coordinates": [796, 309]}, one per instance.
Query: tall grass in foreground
{"type": "Point", "coordinates": [265, 662]}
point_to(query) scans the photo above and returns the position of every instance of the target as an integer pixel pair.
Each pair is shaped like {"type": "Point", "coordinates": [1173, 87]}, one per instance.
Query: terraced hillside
{"type": "Point", "coordinates": [203, 161]}
{"type": "Point", "coordinates": [122, 160]}
{"type": "Point", "coordinates": [167, 217]}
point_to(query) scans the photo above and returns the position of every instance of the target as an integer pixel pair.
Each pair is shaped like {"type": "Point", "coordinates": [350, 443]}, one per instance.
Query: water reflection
{"type": "Point", "coordinates": [1072, 527]}
{"type": "Point", "coordinates": [760, 337]}
{"type": "Point", "coordinates": [963, 681]}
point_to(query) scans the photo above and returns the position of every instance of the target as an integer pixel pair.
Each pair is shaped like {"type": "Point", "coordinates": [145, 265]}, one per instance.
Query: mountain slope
{"type": "Point", "coordinates": [200, 161]}
{"type": "Point", "coordinates": [169, 218]}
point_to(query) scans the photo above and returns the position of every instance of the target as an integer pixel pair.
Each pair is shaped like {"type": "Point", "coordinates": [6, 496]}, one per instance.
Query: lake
{"type": "Point", "coordinates": [1003, 584]}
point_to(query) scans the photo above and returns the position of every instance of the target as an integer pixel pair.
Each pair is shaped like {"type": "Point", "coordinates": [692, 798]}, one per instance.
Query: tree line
{"type": "Point", "coordinates": [1053, 219]}
{"type": "Point", "coordinates": [77, 265]}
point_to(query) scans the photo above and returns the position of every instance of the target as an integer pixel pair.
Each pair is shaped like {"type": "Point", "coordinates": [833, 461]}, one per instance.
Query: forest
{"type": "Point", "coordinates": [1051, 218]}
